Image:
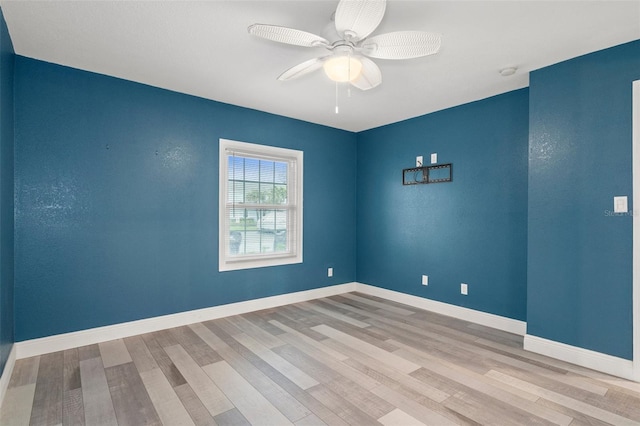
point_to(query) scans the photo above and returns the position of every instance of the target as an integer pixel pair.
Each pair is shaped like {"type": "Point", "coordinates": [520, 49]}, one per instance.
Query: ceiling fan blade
{"type": "Point", "coordinates": [370, 75]}
{"type": "Point", "coordinates": [287, 35]}
{"type": "Point", "coordinates": [302, 69]}
{"type": "Point", "coordinates": [356, 19]}
{"type": "Point", "coordinates": [402, 45]}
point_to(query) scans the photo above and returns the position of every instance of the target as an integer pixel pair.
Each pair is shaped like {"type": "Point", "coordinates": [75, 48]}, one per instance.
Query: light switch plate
{"type": "Point", "coordinates": [419, 161]}
{"type": "Point", "coordinates": [425, 280]}
{"type": "Point", "coordinates": [434, 158]}
{"type": "Point", "coordinates": [464, 289]}
{"type": "Point", "coordinates": [620, 204]}
{"type": "Point", "coordinates": [330, 272]}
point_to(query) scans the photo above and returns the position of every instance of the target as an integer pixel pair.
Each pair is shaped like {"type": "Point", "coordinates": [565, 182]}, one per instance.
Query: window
{"type": "Point", "coordinates": [260, 206]}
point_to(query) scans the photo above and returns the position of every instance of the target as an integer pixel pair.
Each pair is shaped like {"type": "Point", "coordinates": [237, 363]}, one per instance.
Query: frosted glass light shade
{"type": "Point", "coordinates": [343, 68]}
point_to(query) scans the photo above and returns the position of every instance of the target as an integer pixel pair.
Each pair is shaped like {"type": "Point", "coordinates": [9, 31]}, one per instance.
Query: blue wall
{"type": "Point", "coordinates": [117, 201]}
{"type": "Point", "coordinates": [116, 189]}
{"type": "Point", "coordinates": [6, 193]}
{"type": "Point", "coordinates": [579, 256]}
{"type": "Point", "coordinates": [471, 230]}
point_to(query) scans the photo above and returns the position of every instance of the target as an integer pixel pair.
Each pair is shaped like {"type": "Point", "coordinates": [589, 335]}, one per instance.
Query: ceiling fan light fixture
{"type": "Point", "coordinates": [343, 68]}
{"type": "Point", "coordinates": [354, 21]}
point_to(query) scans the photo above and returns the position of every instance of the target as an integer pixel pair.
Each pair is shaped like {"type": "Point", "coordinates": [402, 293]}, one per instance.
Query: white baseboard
{"type": "Point", "coordinates": [6, 373]}
{"type": "Point", "coordinates": [60, 342]}
{"type": "Point", "coordinates": [583, 357]}
{"type": "Point", "coordinates": [490, 320]}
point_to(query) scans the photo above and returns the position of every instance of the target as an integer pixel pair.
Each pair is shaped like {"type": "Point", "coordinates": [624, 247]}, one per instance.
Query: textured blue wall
{"type": "Point", "coordinates": [471, 230]}
{"type": "Point", "coordinates": [6, 193]}
{"type": "Point", "coordinates": [579, 256]}
{"type": "Point", "coordinates": [117, 201]}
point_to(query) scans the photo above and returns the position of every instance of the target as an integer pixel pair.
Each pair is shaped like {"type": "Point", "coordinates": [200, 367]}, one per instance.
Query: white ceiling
{"type": "Point", "coordinates": [202, 48]}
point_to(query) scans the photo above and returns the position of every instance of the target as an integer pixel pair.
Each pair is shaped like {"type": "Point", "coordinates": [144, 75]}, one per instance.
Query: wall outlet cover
{"type": "Point", "coordinates": [330, 272]}
{"type": "Point", "coordinates": [620, 204]}
{"type": "Point", "coordinates": [464, 289]}
{"type": "Point", "coordinates": [425, 280]}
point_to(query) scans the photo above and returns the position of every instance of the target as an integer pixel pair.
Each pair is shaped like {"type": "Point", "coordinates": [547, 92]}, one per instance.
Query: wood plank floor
{"type": "Point", "coordinates": [344, 360]}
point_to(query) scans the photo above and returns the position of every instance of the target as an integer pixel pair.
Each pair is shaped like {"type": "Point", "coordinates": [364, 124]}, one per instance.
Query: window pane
{"type": "Point", "coordinates": [266, 171]}
{"type": "Point", "coordinates": [235, 242]}
{"type": "Point", "coordinates": [235, 216]}
{"type": "Point", "coordinates": [251, 192]}
{"type": "Point", "coordinates": [251, 169]}
{"type": "Point", "coordinates": [280, 194]}
{"type": "Point", "coordinates": [252, 216]}
{"type": "Point", "coordinates": [251, 243]}
{"type": "Point", "coordinates": [236, 192]}
{"type": "Point", "coordinates": [236, 168]}
{"type": "Point", "coordinates": [266, 192]}
{"type": "Point", "coordinates": [281, 172]}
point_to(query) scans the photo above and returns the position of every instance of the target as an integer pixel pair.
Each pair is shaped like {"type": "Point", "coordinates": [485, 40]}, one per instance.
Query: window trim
{"type": "Point", "coordinates": [225, 262]}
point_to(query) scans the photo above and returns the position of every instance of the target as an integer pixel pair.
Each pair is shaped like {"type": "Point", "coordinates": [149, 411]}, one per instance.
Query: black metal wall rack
{"type": "Point", "coordinates": [428, 174]}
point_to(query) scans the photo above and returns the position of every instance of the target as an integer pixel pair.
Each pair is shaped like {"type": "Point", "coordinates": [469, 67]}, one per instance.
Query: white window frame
{"type": "Point", "coordinates": [228, 262]}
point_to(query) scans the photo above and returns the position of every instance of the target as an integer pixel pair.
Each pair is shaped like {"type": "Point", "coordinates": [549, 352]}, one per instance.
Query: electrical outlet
{"type": "Point", "coordinates": [464, 289]}
{"type": "Point", "coordinates": [330, 272]}
{"type": "Point", "coordinates": [425, 280]}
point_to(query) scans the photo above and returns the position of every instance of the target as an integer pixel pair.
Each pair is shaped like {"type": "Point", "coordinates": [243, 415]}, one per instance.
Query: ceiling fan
{"type": "Point", "coordinates": [349, 59]}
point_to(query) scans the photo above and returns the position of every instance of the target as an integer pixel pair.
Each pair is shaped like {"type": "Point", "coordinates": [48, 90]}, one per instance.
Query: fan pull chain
{"type": "Point", "coordinates": [337, 109]}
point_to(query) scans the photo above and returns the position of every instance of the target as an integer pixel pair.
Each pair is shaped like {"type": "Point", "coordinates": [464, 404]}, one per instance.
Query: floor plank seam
{"type": "Point", "coordinates": [349, 359]}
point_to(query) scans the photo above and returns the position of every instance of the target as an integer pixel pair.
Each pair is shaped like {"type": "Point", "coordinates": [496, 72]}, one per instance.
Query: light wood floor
{"type": "Point", "coordinates": [350, 359]}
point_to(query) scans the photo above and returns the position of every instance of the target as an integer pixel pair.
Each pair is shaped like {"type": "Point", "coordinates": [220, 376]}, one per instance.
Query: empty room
{"type": "Point", "coordinates": [319, 212]}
